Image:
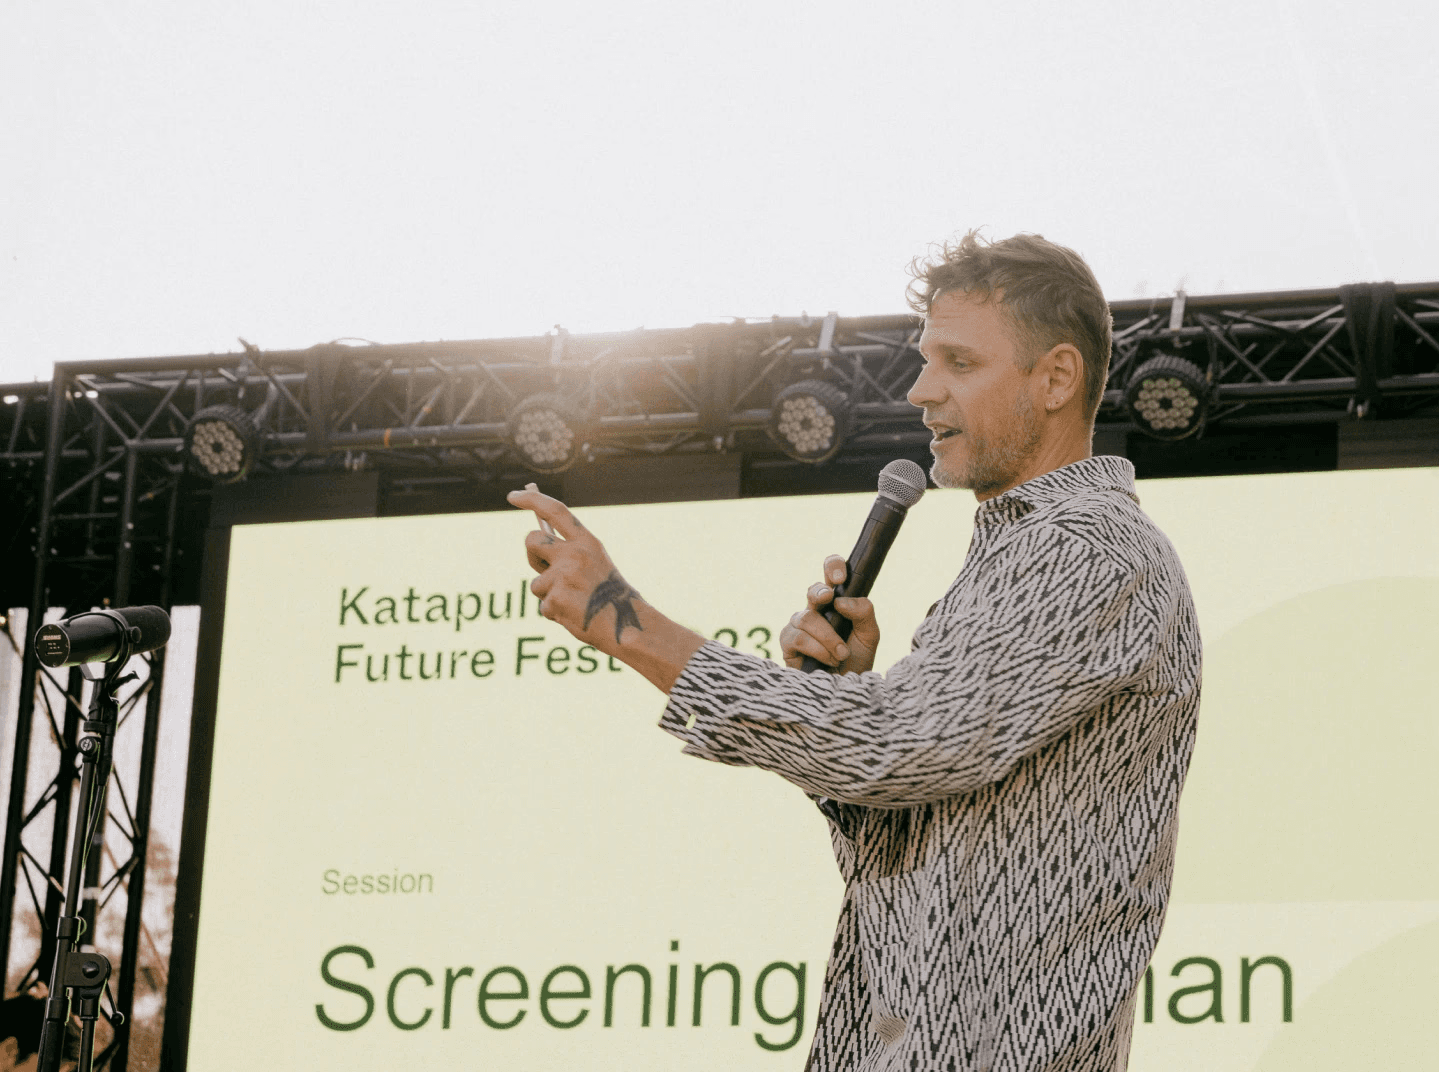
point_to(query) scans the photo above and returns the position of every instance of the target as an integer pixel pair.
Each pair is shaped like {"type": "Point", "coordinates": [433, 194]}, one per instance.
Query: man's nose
{"type": "Point", "coordinates": [926, 390]}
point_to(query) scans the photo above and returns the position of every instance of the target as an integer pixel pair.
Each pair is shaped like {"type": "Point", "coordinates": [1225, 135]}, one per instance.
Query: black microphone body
{"type": "Point", "coordinates": [875, 539]}
{"type": "Point", "coordinates": [862, 566]}
{"type": "Point", "coordinates": [100, 636]}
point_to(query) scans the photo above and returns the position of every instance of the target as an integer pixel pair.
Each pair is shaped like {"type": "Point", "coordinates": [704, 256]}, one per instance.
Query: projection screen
{"type": "Point", "coordinates": [440, 833]}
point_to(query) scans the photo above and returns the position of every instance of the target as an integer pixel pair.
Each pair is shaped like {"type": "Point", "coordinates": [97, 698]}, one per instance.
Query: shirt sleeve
{"type": "Point", "coordinates": [1048, 632]}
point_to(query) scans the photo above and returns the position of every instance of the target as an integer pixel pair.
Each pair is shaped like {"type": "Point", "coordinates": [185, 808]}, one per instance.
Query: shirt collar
{"type": "Point", "coordinates": [1103, 472]}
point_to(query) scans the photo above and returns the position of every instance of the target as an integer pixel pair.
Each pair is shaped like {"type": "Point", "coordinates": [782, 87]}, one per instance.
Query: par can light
{"type": "Point", "coordinates": [221, 443]}
{"type": "Point", "coordinates": [1168, 397]}
{"type": "Point", "coordinates": [809, 420]}
{"type": "Point", "coordinates": [545, 434]}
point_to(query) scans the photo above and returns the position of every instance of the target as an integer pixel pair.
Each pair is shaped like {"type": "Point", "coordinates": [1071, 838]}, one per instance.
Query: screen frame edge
{"type": "Point", "coordinates": [175, 1039]}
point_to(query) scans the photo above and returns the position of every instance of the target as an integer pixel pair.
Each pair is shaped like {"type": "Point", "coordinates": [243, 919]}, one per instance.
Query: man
{"type": "Point", "coordinates": [1003, 800]}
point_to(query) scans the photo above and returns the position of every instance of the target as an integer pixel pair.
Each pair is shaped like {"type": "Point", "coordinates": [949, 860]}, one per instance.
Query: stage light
{"type": "Point", "coordinates": [221, 442]}
{"type": "Point", "coordinates": [545, 434]}
{"type": "Point", "coordinates": [1168, 397]}
{"type": "Point", "coordinates": [809, 420]}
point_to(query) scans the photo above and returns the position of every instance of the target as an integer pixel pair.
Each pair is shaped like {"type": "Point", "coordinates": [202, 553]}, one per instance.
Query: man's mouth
{"type": "Point", "coordinates": [941, 432]}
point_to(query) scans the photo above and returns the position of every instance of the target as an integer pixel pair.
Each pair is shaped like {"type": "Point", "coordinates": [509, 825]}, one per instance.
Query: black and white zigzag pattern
{"type": "Point", "coordinates": [1006, 794]}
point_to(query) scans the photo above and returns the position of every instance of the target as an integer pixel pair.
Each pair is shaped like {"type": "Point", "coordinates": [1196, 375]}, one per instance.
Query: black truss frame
{"type": "Point", "coordinates": [93, 460]}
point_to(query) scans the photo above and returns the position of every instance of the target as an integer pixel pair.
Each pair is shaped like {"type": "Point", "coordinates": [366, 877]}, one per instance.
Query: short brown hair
{"type": "Point", "coordinates": [1048, 291]}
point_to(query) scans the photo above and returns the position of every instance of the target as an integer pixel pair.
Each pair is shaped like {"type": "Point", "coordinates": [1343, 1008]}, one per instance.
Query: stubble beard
{"type": "Point", "coordinates": [994, 462]}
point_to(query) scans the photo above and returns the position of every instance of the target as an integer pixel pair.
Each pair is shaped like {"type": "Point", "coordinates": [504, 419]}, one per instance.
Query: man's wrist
{"type": "Point", "coordinates": [659, 649]}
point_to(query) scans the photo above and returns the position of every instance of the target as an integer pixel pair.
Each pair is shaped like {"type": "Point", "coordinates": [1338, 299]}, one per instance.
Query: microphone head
{"type": "Point", "coordinates": [100, 636]}
{"type": "Point", "coordinates": [153, 623]}
{"type": "Point", "coordinates": [903, 481]}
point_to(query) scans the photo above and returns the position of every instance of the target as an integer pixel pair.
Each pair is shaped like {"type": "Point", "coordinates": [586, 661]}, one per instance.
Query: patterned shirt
{"type": "Point", "coordinates": [1003, 801]}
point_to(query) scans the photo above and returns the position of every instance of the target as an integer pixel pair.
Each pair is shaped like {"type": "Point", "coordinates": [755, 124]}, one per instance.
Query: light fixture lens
{"type": "Point", "coordinates": [809, 420]}
{"type": "Point", "coordinates": [545, 434]}
{"type": "Point", "coordinates": [1167, 397]}
{"type": "Point", "coordinates": [222, 443]}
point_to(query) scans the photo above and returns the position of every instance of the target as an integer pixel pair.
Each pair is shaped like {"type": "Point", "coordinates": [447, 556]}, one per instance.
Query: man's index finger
{"type": "Point", "coordinates": [550, 511]}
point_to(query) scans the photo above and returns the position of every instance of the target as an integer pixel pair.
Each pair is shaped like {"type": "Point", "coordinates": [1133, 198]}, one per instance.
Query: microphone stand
{"type": "Point", "coordinates": [77, 974]}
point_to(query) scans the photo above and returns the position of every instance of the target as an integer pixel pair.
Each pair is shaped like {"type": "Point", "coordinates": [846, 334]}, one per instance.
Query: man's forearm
{"type": "Point", "coordinates": [659, 648]}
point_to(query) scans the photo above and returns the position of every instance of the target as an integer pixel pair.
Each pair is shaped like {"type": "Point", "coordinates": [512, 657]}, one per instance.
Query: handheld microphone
{"type": "Point", "coordinates": [901, 483]}
{"type": "Point", "coordinates": [101, 636]}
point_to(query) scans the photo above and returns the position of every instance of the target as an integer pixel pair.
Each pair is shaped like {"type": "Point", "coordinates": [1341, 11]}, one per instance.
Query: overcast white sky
{"type": "Point", "coordinates": [179, 174]}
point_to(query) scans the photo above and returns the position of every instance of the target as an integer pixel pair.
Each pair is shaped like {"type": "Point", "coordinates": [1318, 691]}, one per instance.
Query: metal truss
{"type": "Point", "coordinates": [1365, 351]}
{"type": "Point", "coordinates": [412, 409]}
{"type": "Point", "coordinates": [92, 464]}
{"type": "Point", "coordinates": [102, 505]}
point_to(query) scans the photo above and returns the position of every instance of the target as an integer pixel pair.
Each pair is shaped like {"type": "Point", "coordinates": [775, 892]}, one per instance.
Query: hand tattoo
{"type": "Point", "coordinates": [615, 592]}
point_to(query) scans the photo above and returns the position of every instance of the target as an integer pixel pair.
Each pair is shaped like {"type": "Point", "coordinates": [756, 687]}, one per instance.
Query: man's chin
{"type": "Point", "coordinates": [983, 482]}
{"type": "Point", "coordinates": [944, 477]}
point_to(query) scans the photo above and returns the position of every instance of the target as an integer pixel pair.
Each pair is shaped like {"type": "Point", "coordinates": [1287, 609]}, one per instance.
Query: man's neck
{"type": "Point", "coordinates": [1046, 459]}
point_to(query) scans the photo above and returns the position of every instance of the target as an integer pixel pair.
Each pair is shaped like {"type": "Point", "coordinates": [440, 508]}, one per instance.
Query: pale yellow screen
{"type": "Point", "coordinates": [497, 814]}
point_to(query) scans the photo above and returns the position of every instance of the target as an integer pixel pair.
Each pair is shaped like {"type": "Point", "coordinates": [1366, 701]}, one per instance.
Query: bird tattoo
{"type": "Point", "coordinates": [614, 591]}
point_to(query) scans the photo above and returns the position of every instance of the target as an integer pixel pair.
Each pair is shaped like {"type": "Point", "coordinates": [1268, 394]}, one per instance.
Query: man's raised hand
{"type": "Point", "coordinates": [809, 634]}
{"type": "Point", "coordinates": [578, 586]}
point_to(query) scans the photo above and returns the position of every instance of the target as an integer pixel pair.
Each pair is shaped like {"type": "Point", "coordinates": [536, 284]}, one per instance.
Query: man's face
{"type": "Point", "coordinates": [976, 400]}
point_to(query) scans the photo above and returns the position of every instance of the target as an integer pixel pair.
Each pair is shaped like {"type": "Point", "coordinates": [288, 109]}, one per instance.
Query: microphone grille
{"type": "Point", "coordinates": [153, 623]}
{"type": "Point", "coordinates": [903, 481]}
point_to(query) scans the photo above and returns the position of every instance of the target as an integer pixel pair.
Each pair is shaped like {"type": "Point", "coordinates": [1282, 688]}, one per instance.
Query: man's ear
{"type": "Point", "coordinates": [1063, 368]}
{"type": "Point", "coordinates": [9, 1052]}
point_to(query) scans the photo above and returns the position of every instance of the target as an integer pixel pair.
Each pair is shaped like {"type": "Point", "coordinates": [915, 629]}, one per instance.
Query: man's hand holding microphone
{"type": "Point", "coordinates": [809, 633]}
